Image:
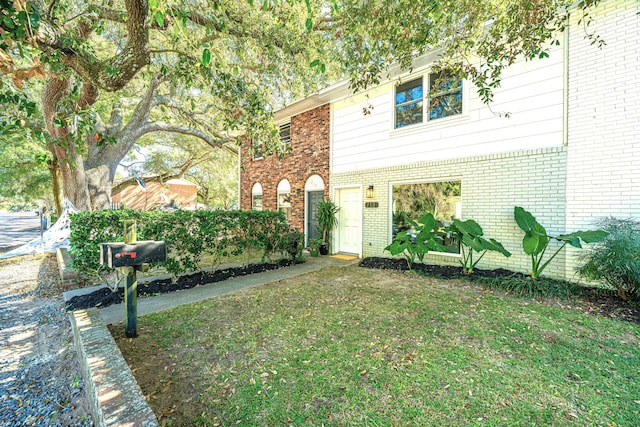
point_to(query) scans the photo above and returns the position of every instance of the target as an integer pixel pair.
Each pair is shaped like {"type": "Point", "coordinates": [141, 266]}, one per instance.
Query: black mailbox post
{"type": "Point", "coordinates": [129, 257]}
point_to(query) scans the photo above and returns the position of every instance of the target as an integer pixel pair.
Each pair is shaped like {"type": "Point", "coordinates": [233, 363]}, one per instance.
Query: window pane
{"type": "Point", "coordinates": [285, 137]}
{"type": "Point", "coordinates": [409, 91]}
{"type": "Point", "coordinates": [445, 106]}
{"type": "Point", "coordinates": [409, 114]}
{"type": "Point", "coordinates": [409, 103]}
{"type": "Point", "coordinates": [445, 96]}
{"type": "Point", "coordinates": [257, 202]}
{"type": "Point", "coordinates": [412, 201]}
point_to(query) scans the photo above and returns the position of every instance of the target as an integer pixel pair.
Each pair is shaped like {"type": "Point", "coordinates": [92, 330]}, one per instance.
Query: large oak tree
{"type": "Point", "coordinates": [119, 70]}
{"type": "Point", "coordinates": [210, 68]}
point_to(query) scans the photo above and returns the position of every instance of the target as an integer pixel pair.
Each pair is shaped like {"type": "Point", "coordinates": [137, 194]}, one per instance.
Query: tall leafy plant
{"type": "Point", "coordinates": [327, 216]}
{"type": "Point", "coordinates": [415, 245]}
{"type": "Point", "coordinates": [616, 259]}
{"type": "Point", "coordinates": [469, 234]}
{"type": "Point", "coordinates": [536, 240]}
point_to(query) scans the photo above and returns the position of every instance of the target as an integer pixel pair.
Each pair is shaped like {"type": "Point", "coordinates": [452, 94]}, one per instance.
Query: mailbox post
{"type": "Point", "coordinates": [130, 285]}
{"type": "Point", "coordinates": [130, 257]}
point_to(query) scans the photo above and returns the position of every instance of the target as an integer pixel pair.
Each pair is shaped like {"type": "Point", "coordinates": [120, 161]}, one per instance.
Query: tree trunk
{"type": "Point", "coordinates": [56, 187]}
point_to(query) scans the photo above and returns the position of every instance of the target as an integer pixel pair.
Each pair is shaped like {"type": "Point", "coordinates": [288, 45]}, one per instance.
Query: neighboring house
{"type": "Point", "coordinates": [175, 192]}
{"type": "Point", "coordinates": [298, 181]}
{"type": "Point", "coordinates": [569, 151]}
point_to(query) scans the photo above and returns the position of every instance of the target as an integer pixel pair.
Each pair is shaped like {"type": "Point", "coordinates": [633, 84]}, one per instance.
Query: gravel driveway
{"type": "Point", "coordinates": [40, 379]}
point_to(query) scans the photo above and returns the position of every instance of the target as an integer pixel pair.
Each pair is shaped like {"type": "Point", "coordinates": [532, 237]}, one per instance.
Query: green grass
{"type": "Point", "coordinates": [352, 347]}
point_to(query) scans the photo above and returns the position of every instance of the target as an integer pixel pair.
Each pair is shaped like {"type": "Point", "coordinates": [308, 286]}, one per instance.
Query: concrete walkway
{"type": "Point", "coordinates": [116, 313]}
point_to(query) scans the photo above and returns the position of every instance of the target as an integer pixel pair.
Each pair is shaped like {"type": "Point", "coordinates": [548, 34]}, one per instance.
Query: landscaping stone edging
{"type": "Point", "coordinates": [116, 398]}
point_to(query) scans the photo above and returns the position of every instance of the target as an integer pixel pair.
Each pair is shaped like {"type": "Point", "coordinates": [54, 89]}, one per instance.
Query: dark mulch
{"type": "Point", "coordinates": [597, 302]}
{"type": "Point", "coordinates": [105, 297]}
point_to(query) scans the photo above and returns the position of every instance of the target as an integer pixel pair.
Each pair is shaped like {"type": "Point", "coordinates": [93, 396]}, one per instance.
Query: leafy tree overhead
{"type": "Point", "coordinates": [116, 71]}
{"type": "Point", "coordinates": [121, 69]}
{"type": "Point", "coordinates": [473, 39]}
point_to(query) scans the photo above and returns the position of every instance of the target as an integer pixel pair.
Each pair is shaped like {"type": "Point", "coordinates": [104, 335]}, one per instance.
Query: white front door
{"type": "Point", "coordinates": [349, 220]}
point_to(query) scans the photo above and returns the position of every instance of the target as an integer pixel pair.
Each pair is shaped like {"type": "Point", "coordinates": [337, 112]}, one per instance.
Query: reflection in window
{"type": "Point", "coordinates": [445, 95]}
{"type": "Point", "coordinates": [444, 99]}
{"type": "Point", "coordinates": [409, 103]}
{"type": "Point", "coordinates": [285, 137]}
{"type": "Point", "coordinates": [256, 197]}
{"type": "Point", "coordinates": [284, 198]}
{"type": "Point", "coordinates": [412, 201]}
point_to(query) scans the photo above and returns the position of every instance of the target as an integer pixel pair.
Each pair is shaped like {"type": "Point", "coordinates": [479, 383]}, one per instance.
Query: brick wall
{"type": "Point", "coordinates": [491, 186]}
{"type": "Point", "coordinates": [309, 156]}
{"type": "Point", "coordinates": [603, 170]}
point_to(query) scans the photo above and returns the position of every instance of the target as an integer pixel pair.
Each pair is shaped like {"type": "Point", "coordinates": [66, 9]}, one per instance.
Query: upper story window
{"type": "Point", "coordinates": [443, 99]}
{"type": "Point", "coordinates": [285, 136]}
{"type": "Point", "coordinates": [256, 150]}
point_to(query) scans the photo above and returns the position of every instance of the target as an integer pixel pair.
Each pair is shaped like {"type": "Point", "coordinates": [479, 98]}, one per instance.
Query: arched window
{"type": "Point", "coordinates": [284, 198]}
{"type": "Point", "coordinates": [256, 197]}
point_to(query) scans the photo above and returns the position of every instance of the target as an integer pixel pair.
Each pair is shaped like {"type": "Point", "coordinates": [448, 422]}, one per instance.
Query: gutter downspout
{"type": "Point", "coordinates": [565, 85]}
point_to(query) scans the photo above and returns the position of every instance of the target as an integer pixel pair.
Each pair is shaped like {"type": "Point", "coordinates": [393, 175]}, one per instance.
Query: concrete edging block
{"type": "Point", "coordinates": [116, 398]}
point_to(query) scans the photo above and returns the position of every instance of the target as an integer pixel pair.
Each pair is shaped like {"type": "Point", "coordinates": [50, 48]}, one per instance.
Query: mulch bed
{"type": "Point", "coordinates": [591, 301]}
{"type": "Point", "coordinates": [105, 297]}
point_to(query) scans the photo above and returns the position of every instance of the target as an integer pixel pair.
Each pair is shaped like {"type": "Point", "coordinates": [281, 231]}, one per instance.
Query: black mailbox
{"type": "Point", "coordinates": [131, 255]}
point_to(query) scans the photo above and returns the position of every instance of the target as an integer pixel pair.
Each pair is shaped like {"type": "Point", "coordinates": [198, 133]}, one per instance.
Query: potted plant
{"type": "Point", "coordinates": [327, 220]}
{"type": "Point", "coordinates": [314, 246]}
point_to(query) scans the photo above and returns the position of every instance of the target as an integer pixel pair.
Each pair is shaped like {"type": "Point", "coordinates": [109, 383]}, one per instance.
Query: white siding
{"type": "Point", "coordinates": [603, 170]}
{"type": "Point", "coordinates": [532, 92]}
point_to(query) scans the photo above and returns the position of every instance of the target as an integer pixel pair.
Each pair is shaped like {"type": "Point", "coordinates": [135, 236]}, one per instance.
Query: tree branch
{"type": "Point", "coordinates": [216, 141]}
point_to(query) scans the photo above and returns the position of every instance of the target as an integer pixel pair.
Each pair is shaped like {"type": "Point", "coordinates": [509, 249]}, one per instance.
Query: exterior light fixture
{"type": "Point", "coordinates": [370, 192]}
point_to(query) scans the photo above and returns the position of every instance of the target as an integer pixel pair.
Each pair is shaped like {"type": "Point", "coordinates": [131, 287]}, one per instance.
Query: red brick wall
{"type": "Point", "coordinates": [309, 155]}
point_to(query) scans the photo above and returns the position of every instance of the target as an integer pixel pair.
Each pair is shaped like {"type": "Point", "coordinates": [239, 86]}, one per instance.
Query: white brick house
{"type": "Point", "coordinates": [569, 152]}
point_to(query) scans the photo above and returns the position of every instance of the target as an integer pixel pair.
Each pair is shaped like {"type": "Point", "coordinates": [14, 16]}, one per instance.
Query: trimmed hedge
{"type": "Point", "coordinates": [189, 236]}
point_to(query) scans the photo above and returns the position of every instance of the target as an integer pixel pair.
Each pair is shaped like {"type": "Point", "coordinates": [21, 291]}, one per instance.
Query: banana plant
{"type": "Point", "coordinates": [469, 234]}
{"type": "Point", "coordinates": [536, 240]}
{"type": "Point", "coordinates": [414, 247]}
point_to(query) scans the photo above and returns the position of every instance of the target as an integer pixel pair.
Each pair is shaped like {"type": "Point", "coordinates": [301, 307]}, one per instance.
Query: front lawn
{"type": "Point", "coordinates": [352, 346]}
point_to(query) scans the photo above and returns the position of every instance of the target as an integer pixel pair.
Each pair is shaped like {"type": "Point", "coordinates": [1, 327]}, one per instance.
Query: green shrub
{"type": "Point", "coordinates": [616, 259]}
{"type": "Point", "coordinates": [189, 236]}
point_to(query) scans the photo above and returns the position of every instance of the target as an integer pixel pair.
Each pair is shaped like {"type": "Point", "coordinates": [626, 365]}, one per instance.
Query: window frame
{"type": "Point", "coordinates": [255, 155]}
{"type": "Point", "coordinates": [284, 207]}
{"type": "Point", "coordinates": [255, 195]}
{"type": "Point", "coordinates": [425, 76]}
{"type": "Point", "coordinates": [285, 142]}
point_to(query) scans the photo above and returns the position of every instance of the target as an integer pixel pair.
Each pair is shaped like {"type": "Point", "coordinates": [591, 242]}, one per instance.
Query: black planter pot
{"type": "Point", "coordinates": [324, 249]}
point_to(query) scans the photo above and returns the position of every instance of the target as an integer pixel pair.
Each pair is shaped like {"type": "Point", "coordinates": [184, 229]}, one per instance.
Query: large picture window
{"type": "Point", "coordinates": [443, 99]}
{"type": "Point", "coordinates": [413, 200]}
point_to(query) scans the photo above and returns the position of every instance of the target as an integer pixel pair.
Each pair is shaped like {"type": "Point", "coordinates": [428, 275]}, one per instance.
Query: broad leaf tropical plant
{"type": "Point", "coordinates": [536, 240]}
{"type": "Point", "coordinates": [469, 234]}
{"type": "Point", "coordinates": [413, 246]}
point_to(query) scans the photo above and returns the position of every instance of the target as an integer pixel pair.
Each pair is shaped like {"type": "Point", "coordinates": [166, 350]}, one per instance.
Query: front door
{"type": "Point", "coordinates": [313, 198]}
{"type": "Point", "coordinates": [349, 220]}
